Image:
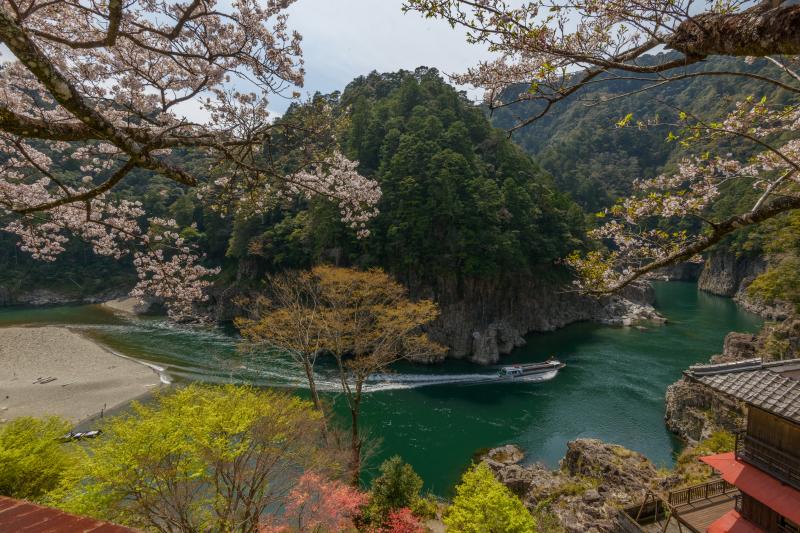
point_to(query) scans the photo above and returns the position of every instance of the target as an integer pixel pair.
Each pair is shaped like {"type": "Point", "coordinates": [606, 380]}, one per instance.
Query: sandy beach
{"type": "Point", "coordinates": [88, 378]}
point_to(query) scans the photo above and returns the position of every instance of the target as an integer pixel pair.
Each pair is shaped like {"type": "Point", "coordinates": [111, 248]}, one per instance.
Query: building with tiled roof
{"type": "Point", "coordinates": [758, 489]}
{"type": "Point", "coordinates": [18, 516]}
{"type": "Point", "coordinates": [765, 386]}
{"type": "Point", "coordinates": [765, 466]}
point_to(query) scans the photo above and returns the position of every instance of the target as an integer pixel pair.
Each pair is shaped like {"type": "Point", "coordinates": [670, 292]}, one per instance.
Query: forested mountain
{"type": "Point", "coordinates": [578, 142]}
{"type": "Point", "coordinates": [459, 198]}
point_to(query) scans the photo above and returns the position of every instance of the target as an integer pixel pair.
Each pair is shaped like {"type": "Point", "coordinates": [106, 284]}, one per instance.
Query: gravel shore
{"type": "Point", "coordinates": [55, 371]}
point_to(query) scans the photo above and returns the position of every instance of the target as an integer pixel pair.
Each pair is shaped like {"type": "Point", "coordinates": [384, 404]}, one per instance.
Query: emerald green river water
{"type": "Point", "coordinates": [612, 387]}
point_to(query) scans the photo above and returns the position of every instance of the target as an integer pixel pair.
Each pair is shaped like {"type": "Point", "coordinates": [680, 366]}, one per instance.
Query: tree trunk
{"type": "Point", "coordinates": [312, 386]}
{"type": "Point", "coordinates": [355, 443]}
{"type": "Point", "coordinates": [761, 30]}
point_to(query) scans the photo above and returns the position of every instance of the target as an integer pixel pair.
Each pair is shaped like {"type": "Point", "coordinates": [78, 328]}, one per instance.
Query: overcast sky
{"type": "Point", "coordinates": [343, 39]}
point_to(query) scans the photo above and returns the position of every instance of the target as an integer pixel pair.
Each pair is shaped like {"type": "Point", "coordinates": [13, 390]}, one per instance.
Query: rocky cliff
{"type": "Point", "coordinates": [482, 319]}
{"type": "Point", "coordinates": [594, 480]}
{"type": "Point", "coordinates": [34, 296]}
{"type": "Point", "coordinates": [681, 272]}
{"type": "Point", "coordinates": [727, 274]}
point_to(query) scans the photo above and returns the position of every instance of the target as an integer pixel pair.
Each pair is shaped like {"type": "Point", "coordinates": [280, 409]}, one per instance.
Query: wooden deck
{"type": "Point", "coordinates": [687, 510]}
{"type": "Point", "coordinates": [697, 516]}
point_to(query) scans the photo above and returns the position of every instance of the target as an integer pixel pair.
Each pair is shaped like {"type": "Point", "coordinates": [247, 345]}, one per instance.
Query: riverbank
{"type": "Point", "coordinates": [56, 371]}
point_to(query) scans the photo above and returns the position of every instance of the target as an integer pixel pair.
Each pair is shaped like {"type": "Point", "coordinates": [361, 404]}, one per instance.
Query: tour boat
{"type": "Point", "coordinates": [532, 371]}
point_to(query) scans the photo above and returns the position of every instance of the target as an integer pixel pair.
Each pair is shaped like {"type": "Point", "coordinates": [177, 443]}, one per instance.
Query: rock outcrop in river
{"type": "Point", "coordinates": [482, 319]}
{"type": "Point", "coordinates": [584, 495]}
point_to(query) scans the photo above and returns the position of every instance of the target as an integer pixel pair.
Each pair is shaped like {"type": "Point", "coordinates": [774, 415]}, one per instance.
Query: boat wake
{"type": "Point", "coordinates": [388, 382]}
{"type": "Point", "coordinates": [165, 352]}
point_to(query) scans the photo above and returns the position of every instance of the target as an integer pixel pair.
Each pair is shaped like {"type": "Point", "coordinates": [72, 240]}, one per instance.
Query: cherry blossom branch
{"type": "Point", "coordinates": [65, 94]}
{"type": "Point", "coordinates": [783, 67]}
{"type": "Point", "coordinates": [98, 82]}
{"type": "Point", "coordinates": [720, 230]}
{"type": "Point", "coordinates": [107, 185]}
{"type": "Point", "coordinates": [537, 43]}
{"type": "Point", "coordinates": [771, 188]}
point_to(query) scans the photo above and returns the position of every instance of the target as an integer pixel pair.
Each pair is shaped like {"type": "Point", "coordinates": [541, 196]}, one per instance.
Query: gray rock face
{"type": "Point", "coordinates": [772, 311]}
{"type": "Point", "coordinates": [509, 454]}
{"type": "Point", "coordinates": [594, 480]}
{"type": "Point", "coordinates": [481, 320]}
{"type": "Point", "coordinates": [680, 272]}
{"type": "Point", "coordinates": [725, 274]}
{"type": "Point", "coordinates": [737, 347]}
{"type": "Point", "coordinates": [497, 338]}
{"type": "Point", "coordinates": [694, 411]}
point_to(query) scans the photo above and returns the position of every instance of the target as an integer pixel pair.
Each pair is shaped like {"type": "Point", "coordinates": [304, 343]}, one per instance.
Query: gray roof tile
{"type": "Point", "coordinates": [762, 388]}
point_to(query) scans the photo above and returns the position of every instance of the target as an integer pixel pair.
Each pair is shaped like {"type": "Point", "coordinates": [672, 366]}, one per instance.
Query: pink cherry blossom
{"type": "Point", "coordinates": [100, 82]}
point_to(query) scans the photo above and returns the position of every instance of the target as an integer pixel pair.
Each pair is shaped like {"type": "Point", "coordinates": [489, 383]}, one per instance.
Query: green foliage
{"type": "Point", "coordinates": [545, 518]}
{"type": "Point", "coordinates": [484, 505]}
{"type": "Point", "coordinates": [781, 281]}
{"type": "Point", "coordinates": [398, 486]}
{"type": "Point", "coordinates": [32, 458]}
{"type": "Point", "coordinates": [425, 507]}
{"type": "Point", "coordinates": [202, 458]}
{"type": "Point", "coordinates": [690, 470]}
{"type": "Point", "coordinates": [458, 197]}
{"type": "Point", "coordinates": [719, 442]}
{"type": "Point", "coordinates": [575, 487]}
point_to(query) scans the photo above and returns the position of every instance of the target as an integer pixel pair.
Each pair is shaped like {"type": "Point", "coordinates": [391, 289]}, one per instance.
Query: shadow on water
{"type": "Point", "coordinates": [612, 387]}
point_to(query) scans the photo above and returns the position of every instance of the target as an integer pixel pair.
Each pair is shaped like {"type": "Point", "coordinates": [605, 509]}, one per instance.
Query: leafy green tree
{"type": "Point", "coordinates": [204, 458]}
{"type": "Point", "coordinates": [484, 505]}
{"type": "Point", "coordinates": [781, 281]}
{"type": "Point", "coordinates": [32, 458]}
{"type": "Point", "coordinates": [398, 486]}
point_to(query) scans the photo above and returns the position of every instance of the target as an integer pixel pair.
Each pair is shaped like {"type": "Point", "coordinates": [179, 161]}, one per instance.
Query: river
{"type": "Point", "coordinates": [612, 387]}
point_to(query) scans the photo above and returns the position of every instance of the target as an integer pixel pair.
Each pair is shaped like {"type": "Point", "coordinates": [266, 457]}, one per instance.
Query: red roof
{"type": "Point", "coordinates": [732, 522]}
{"type": "Point", "coordinates": [778, 496]}
{"type": "Point", "coordinates": [17, 516]}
